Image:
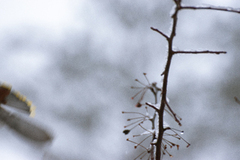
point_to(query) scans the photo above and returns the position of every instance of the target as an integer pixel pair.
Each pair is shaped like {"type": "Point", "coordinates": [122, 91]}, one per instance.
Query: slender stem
{"type": "Point", "coordinates": [173, 114]}
{"type": "Point", "coordinates": [165, 81]}
{"type": "Point", "coordinates": [200, 52]}
{"type": "Point", "coordinates": [164, 35]}
{"type": "Point", "coordinates": [226, 9]}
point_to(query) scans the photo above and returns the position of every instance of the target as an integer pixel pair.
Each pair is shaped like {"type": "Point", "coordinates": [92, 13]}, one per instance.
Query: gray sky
{"type": "Point", "coordinates": [76, 60]}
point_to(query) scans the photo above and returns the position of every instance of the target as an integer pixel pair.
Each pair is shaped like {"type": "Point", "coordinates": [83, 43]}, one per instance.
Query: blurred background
{"type": "Point", "coordinates": [76, 60]}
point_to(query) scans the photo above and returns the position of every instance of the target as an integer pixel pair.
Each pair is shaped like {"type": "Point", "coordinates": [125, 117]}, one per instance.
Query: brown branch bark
{"type": "Point", "coordinates": [165, 82]}
{"type": "Point", "coordinates": [156, 30]}
{"type": "Point", "coordinates": [200, 52]}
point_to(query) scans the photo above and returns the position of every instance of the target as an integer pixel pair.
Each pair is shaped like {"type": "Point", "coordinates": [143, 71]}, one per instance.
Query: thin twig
{"type": "Point", "coordinates": [152, 106]}
{"type": "Point", "coordinates": [165, 80]}
{"type": "Point", "coordinates": [226, 9]}
{"type": "Point", "coordinates": [137, 144]}
{"type": "Point", "coordinates": [237, 100]}
{"type": "Point", "coordinates": [164, 35]}
{"type": "Point", "coordinates": [174, 114]}
{"type": "Point", "coordinates": [200, 52]}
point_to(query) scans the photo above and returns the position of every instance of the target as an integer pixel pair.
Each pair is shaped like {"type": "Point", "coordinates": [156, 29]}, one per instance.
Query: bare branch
{"type": "Point", "coordinates": [158, 148]}
{"type": "Point", "coordinates": [164, 35]}
{"type": "Point", "coordinates": [200, 52]}
{"type": "Point", "coordinates": [165, 79]}
{"type": "Point", "coordinates": [174, 114]}
{"type": "Point", "coordinates": [152, 106]}
{"type": "Point", "coordinates": [226, 9]}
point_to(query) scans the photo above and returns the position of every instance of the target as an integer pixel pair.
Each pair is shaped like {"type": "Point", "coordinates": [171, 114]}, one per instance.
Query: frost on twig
{"type": "Point", "coordinates": [218, 8]}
